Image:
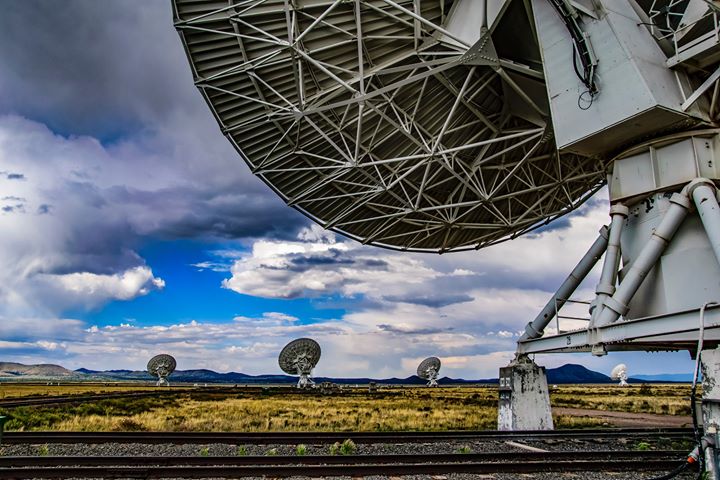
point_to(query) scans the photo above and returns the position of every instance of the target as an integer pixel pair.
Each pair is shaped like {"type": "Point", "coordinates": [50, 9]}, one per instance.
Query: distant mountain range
{"type": "Point", "coordinates": [10, 369]}
{"type": "Point", "coordinates": [667, 377]}
{"type": "Point", "coordinates": [569, 373]}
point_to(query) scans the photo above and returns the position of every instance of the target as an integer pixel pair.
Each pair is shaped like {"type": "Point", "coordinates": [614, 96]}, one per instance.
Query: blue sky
{"type": "Point", "coordinates": [131, 227]}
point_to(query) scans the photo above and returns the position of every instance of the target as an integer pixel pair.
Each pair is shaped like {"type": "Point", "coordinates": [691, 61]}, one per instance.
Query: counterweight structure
{"type": "Point", "coordinates": [449, 125]}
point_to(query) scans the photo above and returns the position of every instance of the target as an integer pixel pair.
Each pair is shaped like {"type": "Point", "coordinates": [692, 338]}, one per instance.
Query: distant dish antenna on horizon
{"type": "Point", "coordinates": [161, 366]}
{"type": "Point", "coordinates": [620, 373]}
{"type": "Point", "coordinates": [429, 370]}
{"type": "Point", "coordinates": [300, 357]}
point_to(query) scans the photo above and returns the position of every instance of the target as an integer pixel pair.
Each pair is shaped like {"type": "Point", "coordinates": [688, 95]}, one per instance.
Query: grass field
{"type": "Point", "coordinates": [657, 399]}
{"type": "Point", "coordinates": [464, 408]}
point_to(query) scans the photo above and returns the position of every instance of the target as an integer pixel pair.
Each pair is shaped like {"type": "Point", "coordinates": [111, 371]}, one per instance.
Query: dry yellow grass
{"type": "Point", "coordinates": [411, 409]}
{"type": "Point", "coordinates": [657, 399]}
{"type": "Point", "coordinates": [466, 408]}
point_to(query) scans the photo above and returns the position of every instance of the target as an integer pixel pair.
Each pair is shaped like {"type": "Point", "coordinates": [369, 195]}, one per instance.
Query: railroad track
{"type": "Point", "coordinates": [176, 390]}
{"type": "Point", "coordinates": [81, 398]}
{"type": "Point", "coordinates": [27, 402]}
{"type": "Point", "coordinates": [354, 465]}
{"type": "Point", "coordinates": [264, 438]}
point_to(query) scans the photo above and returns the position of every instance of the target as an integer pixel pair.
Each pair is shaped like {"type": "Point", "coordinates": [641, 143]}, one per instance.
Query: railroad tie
{"type": "Point", "coordinates": [524, 447]}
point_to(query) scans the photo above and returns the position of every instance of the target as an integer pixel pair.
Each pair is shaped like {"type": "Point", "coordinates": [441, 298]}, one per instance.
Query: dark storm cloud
{"type": "Point", "coordinates": [13, 175]}
{"type": "Point", "coordinates": [559, 224]}
{"type": "Point", "coordinates": [106, 137]}
{"type": "Point", "coordinates": [107, 66]}
{"type": "Point", "coordinates": [411, 331]}
{"type": "Point", "coordinates": [332, 256]}
{"type": "Point", "coordinates": [117, 71]}
{"type": "Point", "coordinates": [431, 300]}
{"type": "Point", "coordinates": [375, 263]}
{"type": "Point", "coordinates": [44, 209]}
{"type": "Point", "coordinates": [227, 213]}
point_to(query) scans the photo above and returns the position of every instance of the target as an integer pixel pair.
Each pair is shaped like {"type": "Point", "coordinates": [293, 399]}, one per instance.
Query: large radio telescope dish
{"type": "Point", "coordinates": [161, 366]}
{"type": "Point", "coordinates": [620, 373]}
{"type": "Point", "coordinates": [390, 122]}
{"type": "Point", "coordinates": [429, 370]}
{"type": "Point", "coordinates": [300, 357]}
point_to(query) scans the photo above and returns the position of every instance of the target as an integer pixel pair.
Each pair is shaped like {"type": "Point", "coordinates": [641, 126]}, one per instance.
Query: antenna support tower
{"type": "Point", "coordinates": [441, 126]}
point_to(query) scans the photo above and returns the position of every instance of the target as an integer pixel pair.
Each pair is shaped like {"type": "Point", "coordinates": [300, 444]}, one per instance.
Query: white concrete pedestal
{"type": "Point", "coordinates": [524, 399]}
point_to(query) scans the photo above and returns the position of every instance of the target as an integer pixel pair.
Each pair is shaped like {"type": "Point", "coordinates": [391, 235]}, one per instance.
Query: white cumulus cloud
{"type": "Point", "coordinates": [92, 288]}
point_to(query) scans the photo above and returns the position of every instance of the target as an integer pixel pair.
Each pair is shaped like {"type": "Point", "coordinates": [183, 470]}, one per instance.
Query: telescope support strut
{"type": "Point", "coordinates": [617, 305]}
{"type": "Point", "coordinates": [704, 195]}
{"type": "Point", "coordinates": [606, 286]}
{"type": "Point", "coordinates": [536, 328]}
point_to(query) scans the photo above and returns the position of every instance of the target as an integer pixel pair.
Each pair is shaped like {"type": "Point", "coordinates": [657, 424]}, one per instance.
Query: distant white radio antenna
{"type": "Point", "coordinates": [299, 357]}
{"type": "Point", "coordinates": [620, 373]}
{"type": "Point", "coordinates": [161, 366]}
{"type": "Point", "coordinates": [429, 370]}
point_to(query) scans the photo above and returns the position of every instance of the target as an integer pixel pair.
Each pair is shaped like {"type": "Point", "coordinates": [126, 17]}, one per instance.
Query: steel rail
{"type": "Point", "coordinates": [262, 438]}
{"type": "Point", "coordinates": [339, 470]}
{"type": "Point", "coordinates": [85, 461]}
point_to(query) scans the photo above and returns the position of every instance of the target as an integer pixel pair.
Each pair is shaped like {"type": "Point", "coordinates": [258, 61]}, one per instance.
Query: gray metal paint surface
{"type": "Point", "coordinates": [395, 123]}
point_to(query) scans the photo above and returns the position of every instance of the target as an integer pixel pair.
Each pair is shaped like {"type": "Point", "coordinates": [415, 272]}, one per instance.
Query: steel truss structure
{"type": "Point", "coordinates": [376, 121]}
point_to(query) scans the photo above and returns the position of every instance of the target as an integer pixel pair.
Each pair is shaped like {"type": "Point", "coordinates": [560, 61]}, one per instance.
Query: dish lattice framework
{"type": "Point", "coordinates": [299, 357]}
{"type": "Point", "coordinates": [161, 366]}
{"type": "Point", "coordinates": [374, 120]}
{"type": "Point", "coordinates": [429, 368]}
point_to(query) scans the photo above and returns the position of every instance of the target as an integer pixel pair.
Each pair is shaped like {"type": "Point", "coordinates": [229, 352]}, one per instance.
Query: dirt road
{"type": "Point", "coordinates": [625, 419]}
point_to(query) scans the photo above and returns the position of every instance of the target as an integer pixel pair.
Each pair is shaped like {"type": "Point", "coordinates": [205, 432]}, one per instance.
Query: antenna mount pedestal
{"type": "Point", "coordinates": [524, 397]}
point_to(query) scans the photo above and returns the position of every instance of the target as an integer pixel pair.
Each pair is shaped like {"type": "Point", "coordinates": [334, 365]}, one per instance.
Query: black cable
{"type": "Point", "coordinates": [673, 473]}
{"type": "Point", "coordinates": [579, 49]}
{"type": "Point", "coordinates": [693, 412]}
{"type": "Point", "coordinates": [575, 65]}
{"type": "Point", "coordinates": [589, 102]}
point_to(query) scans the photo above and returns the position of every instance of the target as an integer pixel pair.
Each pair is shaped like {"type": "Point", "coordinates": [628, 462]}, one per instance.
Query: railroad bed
{"type": "Point", "coordinates": [275, 454]}
{"type": "Point", "coordinates": [265, 438]}
{"type": "Point", "coordinates": [351, 465]}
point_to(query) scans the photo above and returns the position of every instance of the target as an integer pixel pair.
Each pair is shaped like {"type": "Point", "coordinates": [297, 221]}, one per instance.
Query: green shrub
{"type": "Point", "coordinates": [242, 451]}
{"type": "Point", "coordinates": [348, 447]}
{"type": "Point", "coordinates": [642, 446]}
{"type": "Point", "coordinates": [301, 450]}
{"type": "Point", "coordinates": [204, 452]}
